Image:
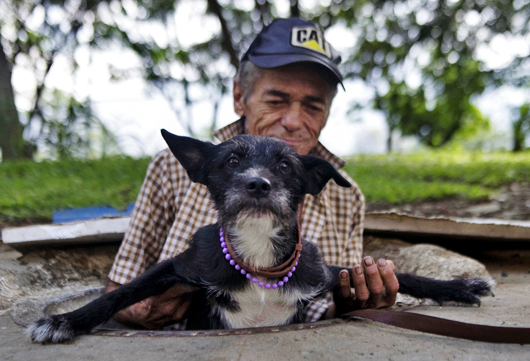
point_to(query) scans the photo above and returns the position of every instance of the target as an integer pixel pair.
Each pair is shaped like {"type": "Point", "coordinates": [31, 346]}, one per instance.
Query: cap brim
{"type": "Point", "coordinates": [267, 61]}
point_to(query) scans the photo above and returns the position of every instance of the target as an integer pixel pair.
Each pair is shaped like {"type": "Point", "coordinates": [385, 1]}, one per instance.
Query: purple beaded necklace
{"type": "Point", "coordinates": [283, 271]}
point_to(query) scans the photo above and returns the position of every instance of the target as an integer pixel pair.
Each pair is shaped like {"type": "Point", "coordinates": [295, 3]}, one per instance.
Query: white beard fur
{"type": "Point", "coordinates": [252, 239]}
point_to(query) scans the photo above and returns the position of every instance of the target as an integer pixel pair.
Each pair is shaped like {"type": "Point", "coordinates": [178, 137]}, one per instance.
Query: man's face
{"type": "Point", "coordinates": [290, 103]}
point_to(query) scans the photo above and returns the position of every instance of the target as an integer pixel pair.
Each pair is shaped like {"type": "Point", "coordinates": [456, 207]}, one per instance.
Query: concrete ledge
{"type": "Point", "coordinates": [93, 231]}
{"type": "Point", "coordinates": [113, 229]}
{"type": "Point", "coordinates": [393, 223]}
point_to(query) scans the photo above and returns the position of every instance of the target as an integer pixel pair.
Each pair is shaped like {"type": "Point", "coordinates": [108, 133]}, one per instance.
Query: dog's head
{"type": "Point", "coordinates": [253, 174]}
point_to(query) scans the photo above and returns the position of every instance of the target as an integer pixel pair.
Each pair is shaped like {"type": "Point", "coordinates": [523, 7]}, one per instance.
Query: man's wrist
{"type": "Point", "coordinates": [111, 286]}
{"type": "Point", "coordinates": [330, 312]}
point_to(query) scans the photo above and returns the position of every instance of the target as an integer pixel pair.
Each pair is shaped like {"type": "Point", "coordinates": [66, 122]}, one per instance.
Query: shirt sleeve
{"type": "Point", "coordinates": [153, 214]}
{"type": "Point", "coordinates": [316, 308]}
{"type": "Point", "coordinates": [353, 251]}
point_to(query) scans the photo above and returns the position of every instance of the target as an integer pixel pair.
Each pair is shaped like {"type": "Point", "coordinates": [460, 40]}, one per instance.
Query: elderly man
{"type": "Point", "coordinates": [284, 89]}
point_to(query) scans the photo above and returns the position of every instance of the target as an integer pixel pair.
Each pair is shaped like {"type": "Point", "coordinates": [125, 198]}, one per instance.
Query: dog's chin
{"type": "Point", "coordinates": [254, 208]}
{"type": "Point", "coordinates": [258, 212]}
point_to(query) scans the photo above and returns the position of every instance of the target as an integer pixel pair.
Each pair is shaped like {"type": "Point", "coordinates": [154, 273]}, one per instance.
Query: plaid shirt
{"type": "Point", "coordinates": [170, 208]}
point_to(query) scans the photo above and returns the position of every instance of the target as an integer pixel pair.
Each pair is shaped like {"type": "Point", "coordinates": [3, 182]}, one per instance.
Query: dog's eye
{"type": "Point", "coordinates": [284, 167]}
{"type": "Point", "coordinates": [233, 162]}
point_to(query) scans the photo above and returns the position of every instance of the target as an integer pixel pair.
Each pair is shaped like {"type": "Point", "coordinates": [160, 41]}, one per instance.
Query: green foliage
{"type": "Point", "coordinates": [72, 130]}
{"type": "Point", "coordinates": [34, 34]}
{"type": "Point", "coordinates": [420, 56]}
{"type": "Point", "coordinates": [430, 175]}
{"type": "Point", "coordinates": [36, 189]}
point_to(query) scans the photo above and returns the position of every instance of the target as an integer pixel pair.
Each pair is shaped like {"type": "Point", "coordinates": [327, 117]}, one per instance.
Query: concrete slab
{"type": "Point", "coordinates": [398, 225]}
{"type": "Point", "coordinates": [64, 270]}
{"type": "Point", "coordinates": [346, 341]}
{"type": "Point", "coordinates": [113, 229]}
{"type": "Point", "coordinates": [343, 341]}
{"type": "Point", "coordinates": [92, 231]}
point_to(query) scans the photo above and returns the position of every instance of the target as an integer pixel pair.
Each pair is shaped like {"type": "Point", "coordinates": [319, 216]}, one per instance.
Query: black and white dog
{"type": "Point", "coordinates": [246, 265]}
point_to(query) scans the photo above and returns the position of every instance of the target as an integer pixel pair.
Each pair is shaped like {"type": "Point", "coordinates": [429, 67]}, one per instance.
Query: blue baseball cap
{"type": "Point", "coordinates": [293, 40]}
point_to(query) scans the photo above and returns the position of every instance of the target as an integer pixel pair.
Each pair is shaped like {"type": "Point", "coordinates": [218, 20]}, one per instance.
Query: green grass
{"type": "Point", "coordinates": [431, 175]}
{"type": "Point", "coordinates": [30, 189]}
{"type": "Point", "coordinates": [36, 189]}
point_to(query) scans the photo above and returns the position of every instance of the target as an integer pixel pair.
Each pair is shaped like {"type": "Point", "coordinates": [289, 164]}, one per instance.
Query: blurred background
{"type": "Point", "coordinates": [448, 80]}
{"type": "Point", "coordinates": [87, 77]}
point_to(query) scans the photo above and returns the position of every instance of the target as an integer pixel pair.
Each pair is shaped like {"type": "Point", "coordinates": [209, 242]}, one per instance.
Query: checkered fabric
{"type": "Point", "coordinates": [170, 208]}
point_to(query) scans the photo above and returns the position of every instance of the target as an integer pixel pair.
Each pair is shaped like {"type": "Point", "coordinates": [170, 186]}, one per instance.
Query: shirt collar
{"type": "Point", "coordinates": [238, 128]}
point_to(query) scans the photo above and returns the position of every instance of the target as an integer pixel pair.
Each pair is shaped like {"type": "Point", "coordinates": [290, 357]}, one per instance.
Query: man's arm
{"type": "Point", "coordinates": [152, 217]}
{"type": "Point", "coordinates": [158, 311]}
{"type": "Point", "coordinates": [374, 283]}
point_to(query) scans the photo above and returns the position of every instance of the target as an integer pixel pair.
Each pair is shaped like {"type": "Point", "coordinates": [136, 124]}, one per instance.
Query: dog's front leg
{"type": "Point", "coordinates": [155, 281]}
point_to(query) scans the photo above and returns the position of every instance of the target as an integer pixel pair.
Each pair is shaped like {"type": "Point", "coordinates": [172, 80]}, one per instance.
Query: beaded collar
{"type": "Point", "coordinates": [283, 271]}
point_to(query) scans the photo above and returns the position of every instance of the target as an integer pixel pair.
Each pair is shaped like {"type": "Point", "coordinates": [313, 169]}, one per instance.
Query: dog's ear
{"type": "Point", "coordinates": [191, 153]}
{"type": "Point", "coordinates": [319, 172]}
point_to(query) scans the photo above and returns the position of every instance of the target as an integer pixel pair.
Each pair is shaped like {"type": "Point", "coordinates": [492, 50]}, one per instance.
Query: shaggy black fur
{"type": "Point", "coordinates": [247, 177]}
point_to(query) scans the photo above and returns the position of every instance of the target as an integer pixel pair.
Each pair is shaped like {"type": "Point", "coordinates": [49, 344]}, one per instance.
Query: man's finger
{"type": "Point", "coordinates": [375, 283]}
{"type": "Point", "coordinates": [344, 286]}
{"type": "Point", "coordinates": [390, 282]}
{"type": "Point", "coordinates": [392, 265]}
{"type": "Point", "coordinates": [359, 284]}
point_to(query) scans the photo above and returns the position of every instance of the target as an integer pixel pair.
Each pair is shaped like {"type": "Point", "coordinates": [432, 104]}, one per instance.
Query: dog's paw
{"type": "Point", "coordinates": [481, 286]}
{"type": "Point", "coordinates": [471, 289]}
{"type": "Point", "coordinates": [52, 329]}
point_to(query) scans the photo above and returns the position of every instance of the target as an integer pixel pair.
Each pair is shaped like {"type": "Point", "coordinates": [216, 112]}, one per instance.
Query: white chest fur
{"type": "Point", "coordinates": [262, 307]}
{"type": "Point", "coordinates": [259, 306]}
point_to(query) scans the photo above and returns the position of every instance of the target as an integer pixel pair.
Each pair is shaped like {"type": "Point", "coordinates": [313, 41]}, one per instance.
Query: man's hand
{"type": "Point", "coordinates": [157, 311]}
{"type": "Point", "coordinates": [374, 286]}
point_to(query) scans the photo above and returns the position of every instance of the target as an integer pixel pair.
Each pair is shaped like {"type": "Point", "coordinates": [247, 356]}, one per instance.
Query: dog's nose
{"type": "Point", "coordinates": [258, 187]}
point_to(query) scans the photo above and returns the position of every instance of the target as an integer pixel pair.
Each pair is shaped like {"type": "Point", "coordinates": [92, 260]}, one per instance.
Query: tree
{"type": "Point", "coordinates": [421, 57]}
{"type": "Point", "coordinates": [34, 34]}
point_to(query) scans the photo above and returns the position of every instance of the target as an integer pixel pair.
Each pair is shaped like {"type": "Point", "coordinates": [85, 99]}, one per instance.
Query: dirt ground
{"type": "Point", "coordinates": [511, 203]}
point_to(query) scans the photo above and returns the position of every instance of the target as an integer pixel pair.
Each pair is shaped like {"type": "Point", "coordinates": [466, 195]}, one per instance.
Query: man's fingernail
{"type": "Point", "coordinates": [358, 270]}
{"type": "Point", "coordinates": [393, 266]}
{"type": "Point", "coordinates": [368, 261]}
{"type": "Point", "coordinates": [382, 263]}
{"type": "Point", "coordinates": [344, 275]}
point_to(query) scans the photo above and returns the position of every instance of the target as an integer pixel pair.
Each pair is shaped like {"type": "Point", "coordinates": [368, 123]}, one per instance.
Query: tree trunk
{"type": "Point", "coordinates": [519, 131]}
{"type": "Point", "coordinates": [518, 137]}
{"type": "Point", "coordinates": [295, 10]}
{"type": "Point", "coordinates": [389, 140]}
{"type": "Point", "coordinates": [264, 11]}
{"type": "Point", "coordinates": [11, 141]}
{"type": "Point", "coordinates": [226, 43]}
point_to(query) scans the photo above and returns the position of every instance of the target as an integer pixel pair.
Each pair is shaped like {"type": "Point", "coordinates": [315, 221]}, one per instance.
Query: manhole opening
{"type": "Point", "coordinates": [113, 328]}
